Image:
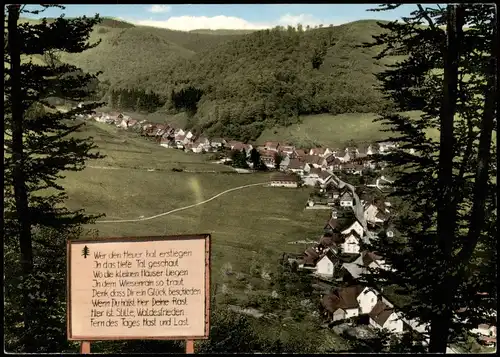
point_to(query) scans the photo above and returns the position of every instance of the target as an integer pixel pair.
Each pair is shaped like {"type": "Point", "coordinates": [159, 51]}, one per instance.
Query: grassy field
{"type": "Point", "coordinates": [331, 130]}
{"type": "Point", "coordinates": [252, 223]}
{"type": "Point", "coordinates": [242, 226]}
{"type": "Point", "coordinates": [249, 227]}
{"type": "Point", "coordinates": [124, 149]}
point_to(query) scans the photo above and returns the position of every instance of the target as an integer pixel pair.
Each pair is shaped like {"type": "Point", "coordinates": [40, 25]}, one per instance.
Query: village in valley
{"type": "Point", "coordinates": [352, 189]}
{"type": "Point", "coordinates": [312, 179]}
{"type": "Point", "coordinates": [299, 166]}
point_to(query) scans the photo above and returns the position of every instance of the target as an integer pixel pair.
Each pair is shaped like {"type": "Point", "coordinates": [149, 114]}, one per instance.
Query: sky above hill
{"type": "Point", "coordinates": [232, 16]}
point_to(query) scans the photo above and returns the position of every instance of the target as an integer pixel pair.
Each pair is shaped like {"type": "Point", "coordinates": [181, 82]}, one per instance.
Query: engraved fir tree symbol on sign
{"type": "Point", "coordinates": [85, 252]}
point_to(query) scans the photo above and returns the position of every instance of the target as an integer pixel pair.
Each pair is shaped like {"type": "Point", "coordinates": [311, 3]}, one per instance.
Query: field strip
{"type": "Point", "coordinates": [182, 208]}
{"type": "Point", "coordinates": [159, 170]}
{"type": "Point", "coordinates": [106, 167]}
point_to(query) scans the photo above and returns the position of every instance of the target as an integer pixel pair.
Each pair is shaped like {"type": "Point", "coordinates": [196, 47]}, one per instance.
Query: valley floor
{"type": "Point", "coordinates": [249, 226]}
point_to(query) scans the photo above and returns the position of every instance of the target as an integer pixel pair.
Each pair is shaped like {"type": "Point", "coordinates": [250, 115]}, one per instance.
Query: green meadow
{"type": "Point", "coordinates": [248, 226]}
{"type": "Point", "coordinates": [332, 130]}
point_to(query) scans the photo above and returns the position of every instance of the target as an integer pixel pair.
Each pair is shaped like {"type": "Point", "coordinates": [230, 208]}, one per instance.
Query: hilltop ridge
{"type": "Point", "coordinates": [237, 83]}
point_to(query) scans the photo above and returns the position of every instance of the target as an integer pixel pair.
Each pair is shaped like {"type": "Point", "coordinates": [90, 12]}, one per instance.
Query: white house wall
{"type": "Point", "coordinates": [351, 313]}
{"type": "Point", "coordinates": [367, 300]}
{"type": "Point", "coordinates": [358, 228]}
{"type": "Point", "coordinates": [310, 181]}
{"type": "Point", "coordinates": [324, 267]}
{"type": "Point", "coordinates": [339, 315]}
{"type": "Point", "coordinates": [394, 324]}
{"type": "Point", "coordinates": [351, 248]}
{"type": "Point", "coordinates": [370, 213]}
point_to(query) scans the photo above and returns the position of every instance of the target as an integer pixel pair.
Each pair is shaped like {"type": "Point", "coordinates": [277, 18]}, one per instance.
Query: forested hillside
{"type": "Point", "coordinates": [127, 52]}
{"type": "Point", "coordinates": [236, 83]}
{"type": "Point", "coordinates": [270, 77]}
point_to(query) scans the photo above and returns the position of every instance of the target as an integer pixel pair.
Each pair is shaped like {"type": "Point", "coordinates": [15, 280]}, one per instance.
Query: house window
{"type": "Point", "coordinates": [372, 300]}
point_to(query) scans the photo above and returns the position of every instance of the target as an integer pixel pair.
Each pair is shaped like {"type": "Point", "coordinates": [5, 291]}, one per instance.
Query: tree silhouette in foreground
{"type": "Point", "coordinates": [38, 139]}
{"type": "Point", "coordinates": [446, 252]}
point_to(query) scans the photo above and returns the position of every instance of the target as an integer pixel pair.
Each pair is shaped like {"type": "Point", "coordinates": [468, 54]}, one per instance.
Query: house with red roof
{"type": "Point", "coordinates": [298, 154]}
{"type": "Point", "coordinates": [346, 199]}
{"type": "Point", "coordinates": [268, 157]}
{"type": "Point", "coordinates": [352, 168]}
{"type": "Point", "coordinates": [376, 212]}
{"type": "Point", "coordinates": [179, 140]}
{"type": "Point", "coordinates": [189, 147]}
{"type": "Point", "coordinates": [272, 145]}
{"type": "Point", "coordinates": [296, 166]}
{"type": "Point", "coordinates": [384, 317]}
{"type": "Point", "coordinates": [316, 176]}
{"type": "Point", "coordinates": [309, 259]}
{"type": "Point", "coordinates": [323, 152]}
{"type": "Point", "coordinates": [199, 145]}
{"type": "Point", "coordinates": [238, 145]}
{"type": "Point", "coordinates": [342, 303]}
{"type": "Point", "coordinates": [287, 150]}
{"type": "Point", "coordinates": [367, 300]}
{"type": "Point", "coordinates": [316, 161]}
{"type": "Point", "coordinates": [285, 180]}
{"type": "Point", "coordinates": [333, 163]}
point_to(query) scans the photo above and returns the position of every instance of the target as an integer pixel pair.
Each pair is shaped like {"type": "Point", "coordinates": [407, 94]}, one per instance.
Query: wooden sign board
{"type": "Point", "coordinates": [139, 288]}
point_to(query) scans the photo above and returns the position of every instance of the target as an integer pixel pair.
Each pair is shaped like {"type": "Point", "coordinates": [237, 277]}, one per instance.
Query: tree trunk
{"type": "Point", "coordinates": [18, 174]}
{"type": "Point", "coordinates": [477, 219]}
{"type": "Point", "coordinates": [447, 212]}
{"type": "Point", "coordinates": [439, 328]}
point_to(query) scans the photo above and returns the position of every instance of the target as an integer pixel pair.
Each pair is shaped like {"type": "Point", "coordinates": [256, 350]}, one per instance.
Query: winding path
{"type": "Point", "coordinates": [182, 208]}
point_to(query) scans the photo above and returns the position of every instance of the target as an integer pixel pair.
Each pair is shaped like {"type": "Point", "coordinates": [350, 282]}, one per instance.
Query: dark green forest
{"type": "Point", "coordinates": [134, 99]}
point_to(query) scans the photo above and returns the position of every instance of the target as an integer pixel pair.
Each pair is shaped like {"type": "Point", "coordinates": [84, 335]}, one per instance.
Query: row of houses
{"type": "Point", "coordinates": [343, 237]}
{"type": "Point", "coordinates": [350, 160]}
{"type": "Point", "coordinates": [331, 259]}
{"type": "Point", "coordinates": [166, 135]}
{"type": "Point", "coordinates": [309, 175]}
{"type": "Point", "coordinates": [357, 300]}
{"type": "Point", "coordinates": [301, 163]}
{"type": "Point", "coordinates": [314, 166]}
{"type": "Point", "coordinates": [343, 233]}
{"type": "Point", "coordinates": [344, 155]}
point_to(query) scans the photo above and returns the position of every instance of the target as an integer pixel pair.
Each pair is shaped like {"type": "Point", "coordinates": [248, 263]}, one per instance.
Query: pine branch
{"type": "Point", "coordinates": [385, 7]}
